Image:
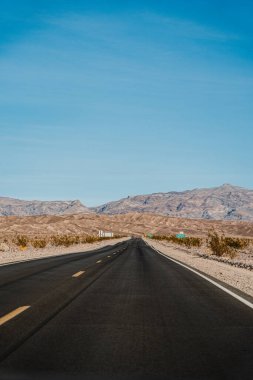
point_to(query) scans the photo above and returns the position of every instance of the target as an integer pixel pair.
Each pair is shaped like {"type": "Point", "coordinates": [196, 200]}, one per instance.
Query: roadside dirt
{"type": "Point", "coordinates": [33, 254]}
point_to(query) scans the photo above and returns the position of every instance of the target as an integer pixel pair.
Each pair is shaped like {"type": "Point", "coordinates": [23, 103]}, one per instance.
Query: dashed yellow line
{"type": "Point", "coordinates": [99, 261]}
{"type": "Point", "coordinates": [79, 273]}
{"type": "Point", "coordinates": [13, 314]}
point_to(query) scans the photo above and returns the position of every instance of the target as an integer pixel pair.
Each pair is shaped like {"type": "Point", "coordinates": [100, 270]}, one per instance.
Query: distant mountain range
{"type": "Point", "coordinates": [10, 206]}
{"type": "Point", "coordinates": [226, 202]}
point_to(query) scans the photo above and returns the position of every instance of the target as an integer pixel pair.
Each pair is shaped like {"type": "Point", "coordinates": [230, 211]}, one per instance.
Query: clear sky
{"type": "Point", "coordinates": [105, 99]}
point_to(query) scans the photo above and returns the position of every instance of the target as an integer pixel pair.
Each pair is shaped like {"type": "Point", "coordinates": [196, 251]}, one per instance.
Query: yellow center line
{"type": "Point", "coordinates": [12, 314]}
{"type": "Point", "coordinates": [78, 273]}
{"type": "Point", "coordinates": [99, 261]}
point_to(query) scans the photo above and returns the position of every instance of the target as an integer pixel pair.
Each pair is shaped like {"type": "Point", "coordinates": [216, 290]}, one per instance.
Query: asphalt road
{"type": "Point", "coordinates": [128, 314]}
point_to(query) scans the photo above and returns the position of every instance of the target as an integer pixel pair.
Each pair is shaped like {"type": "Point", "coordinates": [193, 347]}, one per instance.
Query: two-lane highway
{"type": "Point", "coordinates": [128, 313]}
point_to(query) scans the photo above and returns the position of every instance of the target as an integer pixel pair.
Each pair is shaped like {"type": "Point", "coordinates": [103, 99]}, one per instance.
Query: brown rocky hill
{"type": "Point", "coordinates": [10, 206]}
{"type": "Point", "coordinates": [225, 202]}
{"type": "Point", "coordinates": [124, 224]}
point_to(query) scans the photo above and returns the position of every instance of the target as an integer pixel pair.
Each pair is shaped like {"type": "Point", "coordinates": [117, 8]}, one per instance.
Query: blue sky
{"type": "Point", "coordinates": [105, 99]}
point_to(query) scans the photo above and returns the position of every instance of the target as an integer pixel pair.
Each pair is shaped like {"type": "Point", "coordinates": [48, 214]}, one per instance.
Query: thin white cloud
{"type": "Point", "coordinates": [189, 29]}
{"type": "Point", "coordinates": [110, 29]}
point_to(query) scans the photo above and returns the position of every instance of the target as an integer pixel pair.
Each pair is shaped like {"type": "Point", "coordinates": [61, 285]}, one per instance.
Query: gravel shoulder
{"type": "Point", "coordinates": [239, 278]}
{"type": "Point", "coordinates": [11, 256]}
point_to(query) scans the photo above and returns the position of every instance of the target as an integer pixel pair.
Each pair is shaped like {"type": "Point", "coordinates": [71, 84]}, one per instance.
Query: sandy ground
{"type": "Point", "coordinates": [121, 224]}
{"type": "Point", "coordinates": [239, 278]}
{"type": "Point", "coordinates": [33, 254]}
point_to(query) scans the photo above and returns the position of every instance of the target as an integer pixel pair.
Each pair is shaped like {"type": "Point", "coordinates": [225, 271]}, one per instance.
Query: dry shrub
{"type": "Point", "coordinates": [39, 243]}
{"type": "Point", "coordinates": [21, 241]}
{"type": "Point", "coordinates": [189, 242]}
{"type": "Point", "coordinates": [91, 239]}
{"type": "Point", "coordinates": [65, 240]}
{"type": "Point", "coordinates": [237, 243]}
{"type": "Point", "coordinates": [218, 245]}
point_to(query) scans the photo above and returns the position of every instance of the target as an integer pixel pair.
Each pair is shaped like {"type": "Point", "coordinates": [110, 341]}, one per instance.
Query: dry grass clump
{"type": "Point", "coordinates": [39, 242]}
{"type": "Point", "coordinates": [21, 241]}
{"type": "Point", "coordinates": [189, 242]}
{"type": "Point", "coordinates": [66, 240]}
{"type": "Point", "coordinates": [218, 245]}
{"type": "Point", "coordinates": [237, 243]}
{"type": "Point", "coordinates": [221, 245]}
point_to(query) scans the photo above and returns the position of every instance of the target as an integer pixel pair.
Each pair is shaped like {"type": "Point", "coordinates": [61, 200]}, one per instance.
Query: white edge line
{"type": "Point", "coordinates": [239, 298]}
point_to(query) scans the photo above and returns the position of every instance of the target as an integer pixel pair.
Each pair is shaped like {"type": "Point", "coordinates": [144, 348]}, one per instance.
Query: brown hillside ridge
{"type": "Point", "coordinates": [10, 206]}
{"type": "Point", "coordinates": [123, 224]}
{"type": "Point", "coordinates": [226, 202]}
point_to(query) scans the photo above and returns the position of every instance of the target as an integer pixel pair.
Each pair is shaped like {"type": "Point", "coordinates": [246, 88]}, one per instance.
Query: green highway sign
{"type": "Point", "coordinates": [180, 236]}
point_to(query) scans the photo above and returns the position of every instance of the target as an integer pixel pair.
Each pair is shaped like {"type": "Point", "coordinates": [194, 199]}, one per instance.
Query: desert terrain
{"type": "Point", "coordinates": [67, 233]}
{"type": "Point", "coordinates": [137, 224]}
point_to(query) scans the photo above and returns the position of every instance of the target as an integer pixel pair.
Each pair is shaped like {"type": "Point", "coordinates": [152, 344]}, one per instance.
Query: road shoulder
{"type": "Point", "coordinates": [12, 257]}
